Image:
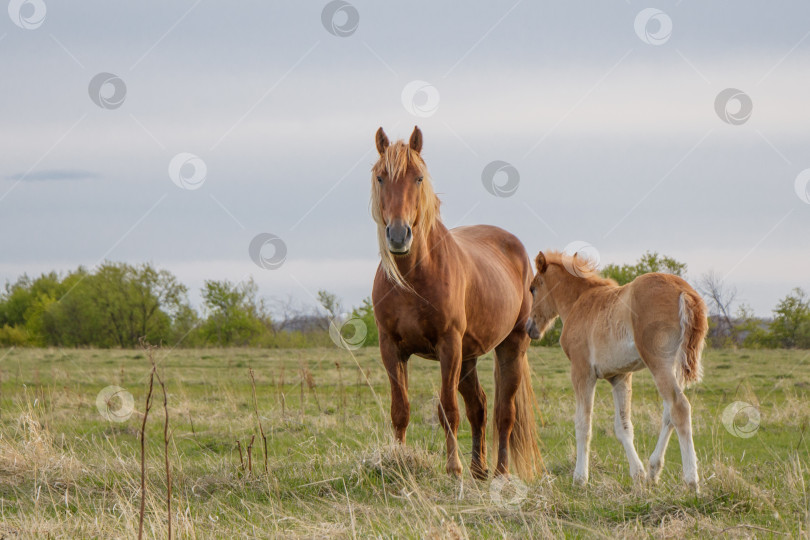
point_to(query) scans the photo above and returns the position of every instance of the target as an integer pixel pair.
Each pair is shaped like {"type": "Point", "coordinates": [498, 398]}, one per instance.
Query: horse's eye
{"type": "Point", "coordinates": [419, 179]}
{"type": "Point", "coordinates": [379, 179]}
{"type": "Point", "coordinates": [531, 289]}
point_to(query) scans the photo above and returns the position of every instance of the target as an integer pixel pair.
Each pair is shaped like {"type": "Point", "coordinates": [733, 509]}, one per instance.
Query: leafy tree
{"type": "Point", "coordinates": [649, 262]}
{"type": "Point", "coordinates": [791, 325]}
{"type": "Point", "coordinates": [235, 315]}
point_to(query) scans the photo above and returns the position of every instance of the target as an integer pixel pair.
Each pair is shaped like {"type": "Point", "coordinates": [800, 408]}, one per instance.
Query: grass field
{"type": "Point", "coordinates": [67, 471]}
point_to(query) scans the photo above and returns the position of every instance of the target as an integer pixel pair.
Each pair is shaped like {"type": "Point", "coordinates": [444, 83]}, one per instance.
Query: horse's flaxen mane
{"type": "Point", "coordinates": [394, 163]}
{"type": "Point", "coordinates": [578, 266]}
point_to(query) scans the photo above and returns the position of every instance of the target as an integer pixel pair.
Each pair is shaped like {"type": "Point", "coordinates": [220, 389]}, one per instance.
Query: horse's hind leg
{"type": "Point", "coordinates": [475, 401]}
{"type": "Point", "coordinates": [657, 457]}
{"type": "Point", "coordinates": [623, 425]}
{"type": "Point", "coordinates": [680, 413]}
{"type": "Point", "coordinates": [396, 364]}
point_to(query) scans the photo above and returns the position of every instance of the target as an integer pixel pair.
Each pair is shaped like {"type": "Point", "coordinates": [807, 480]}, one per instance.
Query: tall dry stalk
{"type": "Point", "coordinates": [258, 419]}
{"type": "Point", "coordinates": [166, 452]}
{"type": "Point", "coordinates": [143, 451]}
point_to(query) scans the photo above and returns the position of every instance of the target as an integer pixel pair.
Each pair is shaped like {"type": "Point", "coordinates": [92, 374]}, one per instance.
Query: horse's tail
{"type": "Point", "coordinates": [525, 457]}
{"type": "Point", "coordinates": [694, 326]}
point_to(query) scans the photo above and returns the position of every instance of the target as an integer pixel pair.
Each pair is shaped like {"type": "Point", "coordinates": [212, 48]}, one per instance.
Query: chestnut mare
{"type": "Point", "coordinates": [656, 321]}
{"type": "Point", "coordinates": [451, 296]}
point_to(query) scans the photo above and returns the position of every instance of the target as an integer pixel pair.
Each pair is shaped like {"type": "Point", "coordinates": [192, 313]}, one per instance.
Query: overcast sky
{"type": "Point", "coordinates": [608, 113]}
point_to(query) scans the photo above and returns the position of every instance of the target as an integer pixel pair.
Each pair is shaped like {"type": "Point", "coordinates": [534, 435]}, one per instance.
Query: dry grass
{"type": "Point", "coordinates": [66, 471]}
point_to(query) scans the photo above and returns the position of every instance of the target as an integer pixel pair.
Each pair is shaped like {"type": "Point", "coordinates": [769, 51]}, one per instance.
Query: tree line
{"type": "Point", "coordinates": [116, 304]}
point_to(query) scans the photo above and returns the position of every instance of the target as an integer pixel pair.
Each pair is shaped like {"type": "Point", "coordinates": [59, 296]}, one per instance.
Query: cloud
{"type": "Point", "coordinates": [55, 174]}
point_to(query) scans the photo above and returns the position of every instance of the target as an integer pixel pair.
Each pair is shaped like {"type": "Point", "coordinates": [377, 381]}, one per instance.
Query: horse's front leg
{"type": "Point", "coordinates": [584, 381]}
{"type": "Point", "coordinates": [449, 350]}
{"type": "Point", "coordinates": [396, 364]}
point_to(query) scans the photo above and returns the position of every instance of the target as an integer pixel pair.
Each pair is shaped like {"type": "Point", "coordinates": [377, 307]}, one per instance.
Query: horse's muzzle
{"type": "Point", "coordinates": [400, 236]}
{"type": "Point", "coordinates": [531, 329]}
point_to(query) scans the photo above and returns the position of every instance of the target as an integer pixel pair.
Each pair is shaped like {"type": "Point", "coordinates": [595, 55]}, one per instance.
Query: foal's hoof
{"type": "Point", "coordinates": [655, 472]}
{"type": "Point", "coordinates": [580, 481]}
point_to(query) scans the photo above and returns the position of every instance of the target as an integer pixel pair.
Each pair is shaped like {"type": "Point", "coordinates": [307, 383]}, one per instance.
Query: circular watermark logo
{"type": "Point", "coordinates": [348, 332]}
{"type": "Point", "coordinates": [741, 419]}
{"type": "Point", "coordinates": [507, 493]}
{"type": "Point", "coordinates": [733, 106]}
{"type": "Point", "coordinates": [507, 172]}
{"type": "Point", "coordinates": [584, 258]}
{"type": "Point", "coordinates": [653, 26]}
{"type": "Point", "coordinates": [802, 186]}
{"type": "Point", "coordinates": [268, 251]}
{"type": "Point", "coordinates": [420, 98]}
{"type": "Point", "coordinates": [115, 404]}
{"type": "Point", "coordinates": [429, 411]}
{"type": "Point", "coordinates": [340, 18]}
{"type": "Point", "coordinates": [27, 14]}
{"type": "Point", "coordinates": [187, 171]}
{"type": "Point", "coordinates": [107, 90]}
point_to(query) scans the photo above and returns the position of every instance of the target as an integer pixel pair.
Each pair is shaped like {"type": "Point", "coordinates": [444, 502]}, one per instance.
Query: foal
{"type": "Point", "coordinates": [657, 321]}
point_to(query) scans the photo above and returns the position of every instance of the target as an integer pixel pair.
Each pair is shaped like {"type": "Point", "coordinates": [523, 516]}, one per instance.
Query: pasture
{"type": "Point", "coordinates": [332, 470]}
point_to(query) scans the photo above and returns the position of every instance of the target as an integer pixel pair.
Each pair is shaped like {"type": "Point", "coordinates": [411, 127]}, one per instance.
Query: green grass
{"type": "Point", "coordinates": [66, 471]}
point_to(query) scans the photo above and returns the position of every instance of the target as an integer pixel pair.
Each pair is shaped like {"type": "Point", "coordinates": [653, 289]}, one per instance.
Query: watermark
{"type": "Point", "coordinates": [420, 98]}
{"type": "Point", "coordinates": [507, 493]}
{"type": "Point", "coordinates": [268, 251]}
{"type": "Point", "coordinates": [505, 188]}
{"type": "Point", "coordinates": [187, 171]}
{"type": "Point", "coordinates": [107, 90]}
{"type": "Point", "coordinates": [27, 14]}
{"type": "Point", "coordinates": [584, 258]}
{"type": "Point", "coordinates": [340, 18]}
{"type": "Point", "coordinates": [348, 332]}
{"type": "Point", "coordinates": [115, 404]}
{"type": "Point", "coordinates": [802, 186]}
{"type": "Point", "coordinates": [733, 106]}
{"type": "Point", "coordinates": [429, 411]}
{"type": "Point", "coordinates": [653, 26]}
{"type": "Point", "coordinates": [741, 419]}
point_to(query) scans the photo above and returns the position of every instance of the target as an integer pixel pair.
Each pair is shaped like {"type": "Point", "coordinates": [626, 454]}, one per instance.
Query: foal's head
{"type": "Point", "coordinates": [544, 311]}
{"type": "Point", "coordinates": [403, 202]}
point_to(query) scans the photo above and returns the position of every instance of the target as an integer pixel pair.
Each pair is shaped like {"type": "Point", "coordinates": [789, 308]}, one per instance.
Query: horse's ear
{"type": "Point", "coordinates": [416, 140]}
{"type": "Point", "coordinates": [541, 263]}
{"type": "Point", "coordinates": [382, 141]}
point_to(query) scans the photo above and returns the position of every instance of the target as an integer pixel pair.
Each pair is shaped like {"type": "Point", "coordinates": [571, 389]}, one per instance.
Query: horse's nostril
{"type": "Point", "coordinates": [408, 233]}
{"type": "Point", "coordinates": [388, 231]}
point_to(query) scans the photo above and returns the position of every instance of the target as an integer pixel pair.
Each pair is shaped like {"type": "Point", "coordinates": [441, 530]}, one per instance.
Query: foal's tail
{"type": "Point", "coordinates": [525, 457]}
{"type": "Point", "coordinates": [694, 326]}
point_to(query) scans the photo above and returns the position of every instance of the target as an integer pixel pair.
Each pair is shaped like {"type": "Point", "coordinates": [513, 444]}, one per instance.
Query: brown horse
{"type": "Point", "coordinates": [451, 296]}
{"type": "Point", "coordinates": [657, 321]}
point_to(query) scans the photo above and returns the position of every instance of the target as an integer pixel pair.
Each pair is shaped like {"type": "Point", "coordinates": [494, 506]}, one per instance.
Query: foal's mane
{"type": "Point", "coordinates": [578, 266]}
{"type": "Point", "coordinates": [395, 162]}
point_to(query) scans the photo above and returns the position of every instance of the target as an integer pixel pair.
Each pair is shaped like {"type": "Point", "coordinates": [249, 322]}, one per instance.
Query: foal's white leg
{"type": "Point", "coordinates": [584, 387]}
{"type": "Point", "coordinates": [680, 413]}
{"type": "Point", "coordinates": [657, 457]}
{"type": "Point", "coordinates": [623, 425]}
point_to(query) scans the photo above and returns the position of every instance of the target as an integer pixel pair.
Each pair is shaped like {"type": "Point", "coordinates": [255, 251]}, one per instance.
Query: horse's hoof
{"type": "Point", "coordinates": [479, 473]}
{"type": "Point", "coordinates": [453, 469]}
{"type": "Point", "coordinates": [580, 481]}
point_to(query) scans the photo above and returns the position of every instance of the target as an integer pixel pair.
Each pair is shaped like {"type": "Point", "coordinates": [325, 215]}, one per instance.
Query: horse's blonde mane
{"type": "Point", "coordinates": [578, 266]}
{"type": "Point", "coordinates": [394, 163]}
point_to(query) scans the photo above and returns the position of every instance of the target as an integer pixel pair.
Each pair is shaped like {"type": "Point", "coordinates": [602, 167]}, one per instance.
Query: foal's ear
{"type": "Point", "coordinates": [382, 140]}
{"type": "Point", "coordinates": [416, 140]}
{"type": "Point", "coordinates": [541, 263]}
